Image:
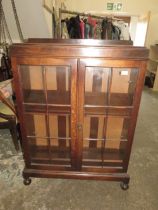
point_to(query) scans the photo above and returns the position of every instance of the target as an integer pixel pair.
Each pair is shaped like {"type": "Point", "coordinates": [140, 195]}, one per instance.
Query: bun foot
{"type": "Point", "coordinates": [124, 186]}
{"type": "Point", "coordinates": [27, 181]}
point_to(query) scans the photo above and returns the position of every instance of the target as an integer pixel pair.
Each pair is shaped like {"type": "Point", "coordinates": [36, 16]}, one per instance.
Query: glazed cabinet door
{"type": "Point", "coordinates": [47, 100]}
{"type": "Point", "coordinates": [106, 98]}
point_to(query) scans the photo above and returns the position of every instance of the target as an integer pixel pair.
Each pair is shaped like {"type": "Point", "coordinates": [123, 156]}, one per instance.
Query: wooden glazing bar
{"type": "Point", "coordinates": [95, 139]}
{"type": "Point", "coordinates": [58, 161]}
{"type": "Point", "coordinates": [57, 112]}
{"type": "Point", "coordinates": [106, 118]}
{"type": "Point", "coordinates": [93, 131]}
{"type": "Point", "coordinates": [54, 159]}
{"type": "Point", "coordinates": [104, 115]}
{"type": "Point", "coordinates": [61, 87]}
{"type": "Point", "coordinates": [94, 121]}
{"type": "Point", "coordinates": [47, 114]}
{"type": "Point", "coordinates": [98, 106]}
{"type": "Point", "coordinates": [55, 105]}
{"type": "Point", "coordinates": [65, 138]}
{"type": "Point", "coordinates": [47, 166]}
{"type": "Point", "coordinates": [126, 112]}
{"type": "Point", "coordinates": [64, 111]}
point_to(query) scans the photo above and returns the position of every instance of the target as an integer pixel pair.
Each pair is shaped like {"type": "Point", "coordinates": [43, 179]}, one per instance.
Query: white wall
{"type": "Point", "coordinates": [31, 16]}
{"type": "Point", "coordinates": [133, 26]}
{"type": "Point", "coordinates": [131, 6]}
{"type": "Point", "coordinates": [152, 36]}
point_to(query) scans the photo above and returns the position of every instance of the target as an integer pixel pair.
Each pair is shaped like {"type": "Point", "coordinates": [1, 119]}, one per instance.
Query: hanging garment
{"type": "Point", "coordinates": [98, 30]}
{"type": "Point", "coordinates": [86, 29]}
{"type": "Point", "coordinates": [93, 23]}
{"type": "Point", "coordinates": [73, 27]}
{"type": "Point", "coordinates": [116, 32]}
{"type": "Point", "coordinates": [125, 35]}
{"type": "Point", "coordinates": [82, 29]}
{"type": "Point", "coordinates": [109, 30]}
{"type": "Point", "coordinates": [104, 29]}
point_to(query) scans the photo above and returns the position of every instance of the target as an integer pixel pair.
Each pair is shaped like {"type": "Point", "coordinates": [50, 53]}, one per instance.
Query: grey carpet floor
{"type": "Point", "coordinates": [60, 194]}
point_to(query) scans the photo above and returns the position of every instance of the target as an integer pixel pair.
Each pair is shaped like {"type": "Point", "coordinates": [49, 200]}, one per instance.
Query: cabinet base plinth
{"type": "Point", "coordinates": [120, 177]}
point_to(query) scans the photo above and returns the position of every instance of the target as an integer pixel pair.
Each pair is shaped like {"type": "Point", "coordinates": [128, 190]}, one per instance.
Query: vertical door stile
{"type": "Point", "coordinates": [20, 105]}
{"type": "Point", "coordinates": [74, 145]}
{"type": "Point", "coordinates": [80, 101]}
{"type": "Point", "coordinates": [47, 114]}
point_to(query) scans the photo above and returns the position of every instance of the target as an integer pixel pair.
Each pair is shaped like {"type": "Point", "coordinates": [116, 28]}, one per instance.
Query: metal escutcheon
{"type": "Point", "coordinates": [79, 126]}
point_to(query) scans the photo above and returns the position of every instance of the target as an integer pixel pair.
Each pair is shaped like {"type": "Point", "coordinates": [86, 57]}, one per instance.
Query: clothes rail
{"type": "Point", "coordinates": [63, 11]}
{"type": "Point", "coordinates": [79, 13]}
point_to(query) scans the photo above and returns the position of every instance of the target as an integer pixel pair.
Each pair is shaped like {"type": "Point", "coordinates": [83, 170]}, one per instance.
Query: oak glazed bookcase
{"type": "Point", "coordinates": [78, 102]}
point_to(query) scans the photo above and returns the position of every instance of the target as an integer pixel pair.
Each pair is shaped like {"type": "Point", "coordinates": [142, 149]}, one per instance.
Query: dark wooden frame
{"type": "Point", "coordinates": [76, 53]}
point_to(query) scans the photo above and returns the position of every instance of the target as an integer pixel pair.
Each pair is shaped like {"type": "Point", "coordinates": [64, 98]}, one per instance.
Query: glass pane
{"type": "Point", "coordinates": [60, 139]}
{"type": "Point", "coordinates": [93, 139]}
{"type": "Point", "coordinates": [60, 150]}
{"type": "Point", "coordinates": [47, 104]}
{"type": "Point", "coordinates": [123, 86]}
{"type": "Point", "coordinates": [104, 138]}
{"type": "Point", "coordinates": [42, 153]}
{"type": "Point", "coordinates": [117, 127]}
{"type": "Point", "coordinates": [35, 125]}
{"type": "Point", "coordinates": [38, 148]}
{"type": "Point", "coordinates": [58, 84]}
{"type": "Point", "coordinates": [96, 84]}
{"type": "Point", "coordinates": [32, 84]}
{"type": "Point", "coordinates": [59, 126]}
{"type": "Point", "coordinates": [45, 84]}
{"type": "Point", "coordinates": [52, 141]}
